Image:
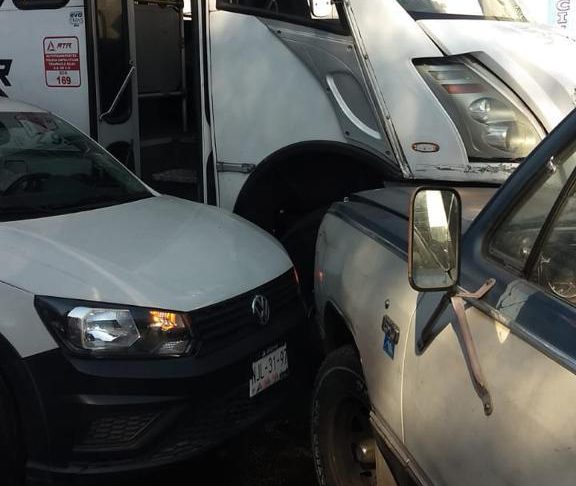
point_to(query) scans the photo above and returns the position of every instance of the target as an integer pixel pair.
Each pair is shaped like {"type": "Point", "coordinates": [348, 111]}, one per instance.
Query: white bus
{"type": "Point", "coordinates": [276, 108]}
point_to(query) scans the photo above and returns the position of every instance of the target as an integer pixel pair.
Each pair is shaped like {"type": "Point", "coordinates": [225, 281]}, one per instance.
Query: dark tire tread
{"type": "Point", "coordinates": [344, 359]}
{"type": "Point", "coordinates": [11, 450]}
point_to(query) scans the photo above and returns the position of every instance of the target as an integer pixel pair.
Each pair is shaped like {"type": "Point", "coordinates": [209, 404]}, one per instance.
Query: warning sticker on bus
{"type": "Point", "coordinates": [62, 62]}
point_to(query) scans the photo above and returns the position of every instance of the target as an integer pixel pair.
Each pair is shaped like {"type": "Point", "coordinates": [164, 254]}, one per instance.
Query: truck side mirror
{"type": "Point", "coordinates": [321, 8]}
{"type": "Point", "coordinates": [434, 240]}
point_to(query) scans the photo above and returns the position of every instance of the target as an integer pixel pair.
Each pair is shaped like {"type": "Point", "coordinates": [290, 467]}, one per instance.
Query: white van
{"type": "Point", "coordinates": [136, 329]}
{"type": "Point", "coordinates": [277, 108]}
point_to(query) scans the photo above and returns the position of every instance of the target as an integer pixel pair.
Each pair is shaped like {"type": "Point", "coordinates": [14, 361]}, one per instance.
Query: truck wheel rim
{"type": "Point", "coordinates": [353, 445]}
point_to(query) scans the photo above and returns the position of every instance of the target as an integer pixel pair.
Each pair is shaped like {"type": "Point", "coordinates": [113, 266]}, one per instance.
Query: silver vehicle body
{"type": "Point", "coordinates": [424, 406]}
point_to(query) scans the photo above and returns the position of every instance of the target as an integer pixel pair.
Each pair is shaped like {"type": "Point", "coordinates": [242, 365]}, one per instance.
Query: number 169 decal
{"type": "Point", "coordinates": [62, 62]}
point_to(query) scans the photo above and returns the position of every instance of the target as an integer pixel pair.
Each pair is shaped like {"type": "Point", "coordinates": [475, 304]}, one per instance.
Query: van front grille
{"type": "Point", "coordinates": [221, 325]}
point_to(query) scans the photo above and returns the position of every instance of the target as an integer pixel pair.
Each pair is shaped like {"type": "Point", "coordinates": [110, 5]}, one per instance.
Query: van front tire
{"type": "Point", "coordinates": [11, 457]}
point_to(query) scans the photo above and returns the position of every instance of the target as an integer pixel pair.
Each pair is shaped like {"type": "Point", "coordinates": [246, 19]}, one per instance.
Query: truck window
{"type": "Point", "coordinates": [514, 239]}
{"type": "Point", "coordinates": [38, 4]}
{"type": "Point", "coordinates": [297, 11]}
{"type": "Point", "coordinates": [555, 269]}
{"type": "Point", "coordinates": [113, 57]}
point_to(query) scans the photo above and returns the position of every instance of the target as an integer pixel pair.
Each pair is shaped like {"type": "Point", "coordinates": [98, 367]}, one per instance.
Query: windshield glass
{"type": "Point", "coordinates": [48, 167]}
{"type": "Point", "coordinates": [493, 9]}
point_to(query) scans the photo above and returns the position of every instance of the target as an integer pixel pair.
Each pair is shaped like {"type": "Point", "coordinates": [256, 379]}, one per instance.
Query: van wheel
{"type": "Point", "coordinates": [11, 457]}
{"type": "Point", "coordinates": [345, 452]}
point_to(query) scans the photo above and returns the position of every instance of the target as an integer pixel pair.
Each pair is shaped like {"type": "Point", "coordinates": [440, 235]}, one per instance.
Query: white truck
{"type": "Point", "coordinates": [277, 108]}
{"type": "Point", "coordinates": [448, 316]}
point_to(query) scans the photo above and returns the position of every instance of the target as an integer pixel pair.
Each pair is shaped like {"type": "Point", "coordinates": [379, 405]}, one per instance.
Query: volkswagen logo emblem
{"type": "Point", "coordinates": [261, 309]}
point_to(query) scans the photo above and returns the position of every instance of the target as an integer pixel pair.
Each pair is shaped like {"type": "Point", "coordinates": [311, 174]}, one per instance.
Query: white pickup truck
{"type": "Point", "coordinates": [451, 361]}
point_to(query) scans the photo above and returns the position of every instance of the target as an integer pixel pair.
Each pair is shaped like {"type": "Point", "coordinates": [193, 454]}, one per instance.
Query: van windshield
{"type": "Point", "coordinates": [488, 9]}
{"type": "Point", "coordinates": [47, 167]}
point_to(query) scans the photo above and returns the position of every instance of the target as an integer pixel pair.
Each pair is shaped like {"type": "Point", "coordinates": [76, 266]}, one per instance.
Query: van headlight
{"type": "Point", "coordinates": [493, 123]}
{"type": "Point", "coordinates": [102, 330]}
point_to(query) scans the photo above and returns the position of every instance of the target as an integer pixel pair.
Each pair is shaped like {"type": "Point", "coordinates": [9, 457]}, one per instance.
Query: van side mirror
{"type": "Point", "coordinates": [321, 9]}
{"type": "Point", "coordinates": [434, 239]}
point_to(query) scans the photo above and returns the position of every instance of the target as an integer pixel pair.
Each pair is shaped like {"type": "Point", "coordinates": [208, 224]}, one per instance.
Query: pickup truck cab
{"type": "Point", "coordinates": [441, 372]}
{"type": "Point", "coordinates": [136, 329]}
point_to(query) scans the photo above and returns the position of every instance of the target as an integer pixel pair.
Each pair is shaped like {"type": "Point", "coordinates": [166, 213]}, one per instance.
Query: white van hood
{"type": "Point", "coordinates": [161, 252]}
{"type": "Point", "coordinates": [537, 62]}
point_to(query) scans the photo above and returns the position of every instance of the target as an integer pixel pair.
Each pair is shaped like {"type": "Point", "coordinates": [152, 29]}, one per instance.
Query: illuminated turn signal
{"type": "Point", "coordinates": [165, 321]}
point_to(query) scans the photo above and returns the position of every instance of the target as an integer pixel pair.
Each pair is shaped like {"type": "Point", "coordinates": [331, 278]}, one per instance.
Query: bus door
{"type": "Point", "coordinates": [149, 106]}
{"type": "Point", "coordinates": [115, 107]}
{"type": "Point", "coordinates": [168, 61]}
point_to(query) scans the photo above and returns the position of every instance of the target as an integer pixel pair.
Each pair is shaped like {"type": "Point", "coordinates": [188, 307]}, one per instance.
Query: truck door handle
{"type": "Point", "coordinates": [120, 93]}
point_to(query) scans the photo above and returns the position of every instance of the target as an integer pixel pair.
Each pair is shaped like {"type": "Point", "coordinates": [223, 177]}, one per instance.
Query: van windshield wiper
{"type": "Point", "coordinates": [99, 201]}
{"type": "Point", "coordinates": [25, 212]}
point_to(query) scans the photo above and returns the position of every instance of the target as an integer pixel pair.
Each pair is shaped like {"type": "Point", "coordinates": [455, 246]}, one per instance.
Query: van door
{"type": "Point", "coordinates": [116, 83]}
{"type": "Point", "coordinates": [279, 77]}
{"type": "Point", "coordinates": [526, 343]}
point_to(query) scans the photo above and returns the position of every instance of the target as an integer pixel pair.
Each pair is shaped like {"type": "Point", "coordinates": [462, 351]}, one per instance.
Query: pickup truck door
{"type": "Point", "coordinates": [523, 330]}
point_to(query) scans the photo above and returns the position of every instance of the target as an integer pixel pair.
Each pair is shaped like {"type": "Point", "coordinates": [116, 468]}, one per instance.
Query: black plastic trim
{"type": "Point", "coordinates": [435, 15]}
{"type": "Point", "coordinates": [31, 414]}
{"type": "Point", "coordinates": [206, 63]}
{"type": "Point", "coordinates": [39, 4]}
{"type": "Point", "coordinates": [90, 53]}
{"type": "Point", "coordinates": [211, 181]}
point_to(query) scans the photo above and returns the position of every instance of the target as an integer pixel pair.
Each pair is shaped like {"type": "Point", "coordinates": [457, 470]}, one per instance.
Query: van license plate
{"type": "Point", "coordinates": [269, 369]}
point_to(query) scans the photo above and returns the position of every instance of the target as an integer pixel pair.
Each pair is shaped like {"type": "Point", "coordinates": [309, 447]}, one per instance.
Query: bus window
{"type": "Point", "coordinates": [113, 58]}
{"type": "Point", "coordinates": [297, 11]}
{"type": "Point", "coordinates": [38, 4]}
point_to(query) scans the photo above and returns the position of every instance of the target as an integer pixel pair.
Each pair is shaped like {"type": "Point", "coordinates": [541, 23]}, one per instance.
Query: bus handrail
{"type": "Point", "coordinates": [120, 93]}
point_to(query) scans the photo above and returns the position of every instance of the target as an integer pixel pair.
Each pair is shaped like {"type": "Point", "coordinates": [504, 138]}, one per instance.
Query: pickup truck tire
{"type": "Point", "coordinates": [11, 456]}
{"type": "Point", "coordinates": [340, 426]}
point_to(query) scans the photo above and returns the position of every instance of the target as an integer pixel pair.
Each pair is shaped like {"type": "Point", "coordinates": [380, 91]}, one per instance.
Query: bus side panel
{"type": "Point", "coordinates": [264, 97]}
{"type": "Point", "coordinates": [49, 65]}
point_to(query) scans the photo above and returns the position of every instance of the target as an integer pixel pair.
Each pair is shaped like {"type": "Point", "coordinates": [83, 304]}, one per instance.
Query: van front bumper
{"type": "Point", "coordinates": [109, 417]}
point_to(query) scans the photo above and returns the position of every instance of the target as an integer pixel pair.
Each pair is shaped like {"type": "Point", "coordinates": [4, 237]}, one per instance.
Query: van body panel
{"type": "Point", "coordinates": [133, 254]}
{"type": "Point", "coordinates": [20, 324]}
